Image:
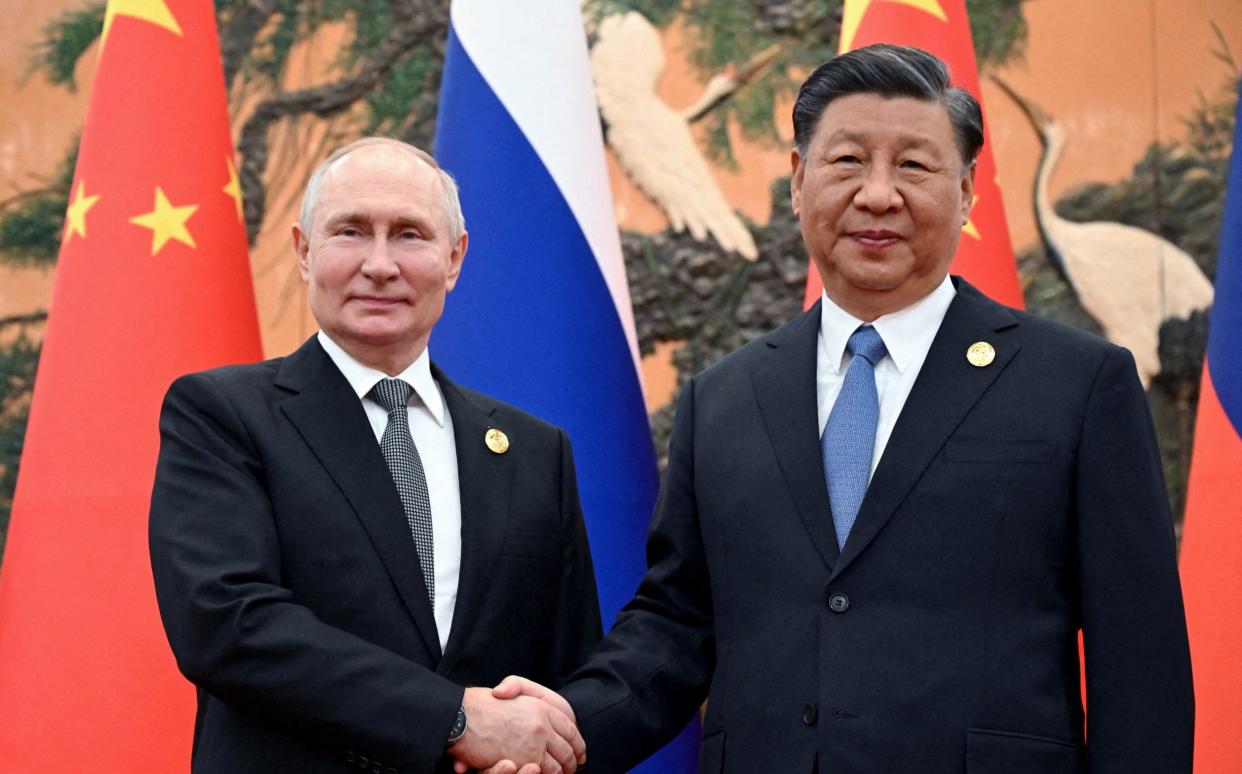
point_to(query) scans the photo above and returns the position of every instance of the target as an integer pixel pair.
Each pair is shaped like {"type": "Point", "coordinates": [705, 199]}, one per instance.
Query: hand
{"type": "Point", "coordinates": [504, 767]}
{"type": "Point", "coordinates": [513, 686]}
{"type": "Point", "coordinates": [520, 731]}
{"type": "Point", "coordinates": [510, 688]}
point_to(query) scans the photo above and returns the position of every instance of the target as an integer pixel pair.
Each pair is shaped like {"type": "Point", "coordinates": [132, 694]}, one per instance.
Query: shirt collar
{"type": "Point", "coordinates": [362, 378]}
{"type": "Point", "coordinates": [906, 332]}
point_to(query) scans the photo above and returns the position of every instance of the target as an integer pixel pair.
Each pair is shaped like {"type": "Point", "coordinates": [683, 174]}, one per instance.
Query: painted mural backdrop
{"type": "Point", "coordinates": [1111, 121]}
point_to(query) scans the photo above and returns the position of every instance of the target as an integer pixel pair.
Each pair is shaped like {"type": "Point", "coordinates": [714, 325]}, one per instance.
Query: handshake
{"type": "Point", "coordinates": [518, 727]}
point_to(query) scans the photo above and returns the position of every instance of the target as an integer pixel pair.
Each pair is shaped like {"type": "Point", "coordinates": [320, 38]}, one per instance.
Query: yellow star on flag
{"type": "Point", "coordinates": [233, 189]}
{"type": "Point", "coordinates": [855, 10]}
{"type": "Point", "coordinates": [154, 11]}
{"type": "Point", "coordinates": [970, 228]}
{"type": "Point", "coordinates": [166, 222]}
{"type": "Point", "coordinates": [75, 216]}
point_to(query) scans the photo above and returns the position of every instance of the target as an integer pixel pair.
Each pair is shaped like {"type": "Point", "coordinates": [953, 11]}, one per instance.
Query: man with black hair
{"type": "Point", "coordinates": [884, 525]}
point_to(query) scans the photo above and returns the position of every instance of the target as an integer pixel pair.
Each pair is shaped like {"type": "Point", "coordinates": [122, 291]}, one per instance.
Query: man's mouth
{"type": "Point", "coordinates": [875, 238]}
{"type": "Point", "coordinates": [377, 300]}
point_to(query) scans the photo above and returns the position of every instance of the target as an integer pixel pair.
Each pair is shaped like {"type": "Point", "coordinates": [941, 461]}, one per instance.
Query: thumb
{"type": "Point", "coordinates": [509, 688]}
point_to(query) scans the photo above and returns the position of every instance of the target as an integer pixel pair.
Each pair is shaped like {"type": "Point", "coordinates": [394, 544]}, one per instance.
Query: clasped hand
{"type": "Point", "coordinates": [518, 727]}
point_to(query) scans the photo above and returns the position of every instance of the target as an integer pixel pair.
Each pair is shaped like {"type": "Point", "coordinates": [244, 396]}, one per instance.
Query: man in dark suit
{"type": "Point", "coordinates": [883, 525]}
{"type": "Point", "coordinates": [343, 538]}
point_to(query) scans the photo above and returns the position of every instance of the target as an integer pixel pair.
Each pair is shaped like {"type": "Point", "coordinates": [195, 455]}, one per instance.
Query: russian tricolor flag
{"type": "Point", "coordinates": [1211, 560]}
{"type": "Point", "coordinates": [541, 316]}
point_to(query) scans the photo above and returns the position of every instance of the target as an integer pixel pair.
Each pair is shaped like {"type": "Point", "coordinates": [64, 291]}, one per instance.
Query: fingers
{"type": "Point", "coordinates": [567, 733]}
{"type": "Point", "coordinates": [553, 698]}
{"type": "Point", "coordinates": [523, 734]}
{"type": "Point", "coordinates": [561, 751]}
{"type": "Point", "coordinates": [552, 766]}
{"type": "Point", "coordinates": [514, 686]}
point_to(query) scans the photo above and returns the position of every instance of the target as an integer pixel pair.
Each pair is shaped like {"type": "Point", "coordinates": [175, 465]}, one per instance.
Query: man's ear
{"type": "Point", "coordinates": [455, 259]}
{"type": "Point", "coordinates": [301, 248]}
{"type": "Point", "coordinates": [795, 181]}
{"type": "Point", "coordinates": [968, 190]}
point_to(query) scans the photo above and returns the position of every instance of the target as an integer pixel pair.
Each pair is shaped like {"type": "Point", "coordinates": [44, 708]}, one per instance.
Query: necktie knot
{"type": "Point", "coordinates": [866, 342]}
{"type": "Point", "coordinates": [391, 394]}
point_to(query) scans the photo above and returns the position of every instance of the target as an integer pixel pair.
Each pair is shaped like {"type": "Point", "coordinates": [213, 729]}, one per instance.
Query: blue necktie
{"type": "Point", "coordinates": [849, 436]}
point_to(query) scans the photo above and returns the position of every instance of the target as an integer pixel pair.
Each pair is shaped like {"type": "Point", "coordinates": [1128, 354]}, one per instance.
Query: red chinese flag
{"type": "Point", "coordinates": [1211, 560]}
{"type": "Point", "coordinates": [153, 281]}
{"type": "Point", "coordinates": [941, 27]}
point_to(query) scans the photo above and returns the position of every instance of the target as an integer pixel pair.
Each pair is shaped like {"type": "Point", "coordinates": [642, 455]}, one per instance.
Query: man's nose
{"type": "Point", "coordinates": [878, 192]}
{"type": "Point", "coordinates": [379, 264]}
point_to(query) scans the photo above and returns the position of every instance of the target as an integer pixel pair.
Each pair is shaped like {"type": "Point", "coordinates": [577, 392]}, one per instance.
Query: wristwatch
{"type": "Point", "coordinates": [459, 727]}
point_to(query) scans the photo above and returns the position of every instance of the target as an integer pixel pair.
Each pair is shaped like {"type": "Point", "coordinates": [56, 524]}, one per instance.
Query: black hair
{"type": "Point", "coordinates": [890, 71]}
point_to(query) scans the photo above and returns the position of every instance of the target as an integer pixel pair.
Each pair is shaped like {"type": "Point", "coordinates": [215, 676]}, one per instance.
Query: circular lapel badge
{"type": "Point", "coordinates": [980, 354]}
{"type": "Point", "coordinates": [496, 440]}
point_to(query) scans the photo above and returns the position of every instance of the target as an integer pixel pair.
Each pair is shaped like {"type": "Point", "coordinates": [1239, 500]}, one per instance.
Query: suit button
{"type": "Point", "coordinates": [363, 762]}
{"type": "Point", "coordinates": [838, 603]}
{"type": "Point", "coordinates": [810, 714]}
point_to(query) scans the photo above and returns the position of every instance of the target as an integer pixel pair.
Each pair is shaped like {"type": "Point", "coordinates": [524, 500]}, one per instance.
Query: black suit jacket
{"type": "Point", "coordinates": [290, 587]}
{"type": "Point", "coordinates": [1013, 504]}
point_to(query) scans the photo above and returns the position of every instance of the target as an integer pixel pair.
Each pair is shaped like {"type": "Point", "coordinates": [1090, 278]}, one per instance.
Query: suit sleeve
{"type": "Point", "coordinates": [1140, 700]}
{"type": "Point", "coordinates": [576, 628]}
{"type": "Point", "coordinates": [240, 635]}
{"type": "Point", "coordinates": [652, 671]}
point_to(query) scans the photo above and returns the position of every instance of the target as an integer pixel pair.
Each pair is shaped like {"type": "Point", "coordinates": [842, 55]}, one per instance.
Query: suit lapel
{"type": "Point", "coordinates": [946, 389]}
{"type": "Point", "coordinates": [786, 392]}
{"type": "Point", "coordinates": [331, 420]}
{"type": "Point", "coordinates": [485, 482]}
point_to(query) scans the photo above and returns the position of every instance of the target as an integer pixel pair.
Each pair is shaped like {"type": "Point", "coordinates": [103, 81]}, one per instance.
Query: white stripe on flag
{"type": "Point", "coordinates": [534, 56]}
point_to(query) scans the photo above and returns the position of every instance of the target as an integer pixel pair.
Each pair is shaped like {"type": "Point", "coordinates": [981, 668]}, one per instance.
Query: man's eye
{"type": "Point", "coordinates": [410, 234]}
{"type": "Point", "coordinates": [349, 231]}
{"type": "Point", "coordinates": [912, 164]}
{"type": "Point", "coordinates": [846, 158]}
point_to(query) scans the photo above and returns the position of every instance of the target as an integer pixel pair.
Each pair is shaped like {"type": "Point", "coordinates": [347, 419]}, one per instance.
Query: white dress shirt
{"type": "Point", "coordinates": [431, 425]}
{"type": "Point", "coordinates": [907, 334]}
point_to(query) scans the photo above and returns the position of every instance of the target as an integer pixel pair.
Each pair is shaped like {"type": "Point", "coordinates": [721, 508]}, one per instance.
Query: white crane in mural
{"type": "Point", "coordinates": [1130, 280]}
{"type": "Point", "coordinates": [652, 141]}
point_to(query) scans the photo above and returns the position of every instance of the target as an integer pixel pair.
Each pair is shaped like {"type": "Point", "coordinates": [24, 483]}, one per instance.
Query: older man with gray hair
{"type": "Point", "coordinates": [343, 539]}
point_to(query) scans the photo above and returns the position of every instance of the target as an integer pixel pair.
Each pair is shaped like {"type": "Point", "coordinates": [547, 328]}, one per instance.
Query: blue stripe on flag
{"type": "Point", "coordinates": [531, 322]}
{"type": "Point", "coordinates": [1225, 338]}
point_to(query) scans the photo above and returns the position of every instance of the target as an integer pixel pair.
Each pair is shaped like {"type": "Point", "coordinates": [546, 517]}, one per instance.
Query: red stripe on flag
{"type": "Point", "coordinates": [1211, 565]}
{"type": "Point", "coordinates": [153, 281]}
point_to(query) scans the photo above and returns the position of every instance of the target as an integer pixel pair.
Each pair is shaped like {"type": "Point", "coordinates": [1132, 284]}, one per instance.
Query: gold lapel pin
{"type": "Point", "coordinates": [980, 354]}
{"type": "Point", "coordinates": [496, 440]}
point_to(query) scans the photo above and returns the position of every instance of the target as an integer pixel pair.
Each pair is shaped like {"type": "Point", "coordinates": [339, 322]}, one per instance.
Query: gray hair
{"type": "Point", "coordinates": [448, 186]}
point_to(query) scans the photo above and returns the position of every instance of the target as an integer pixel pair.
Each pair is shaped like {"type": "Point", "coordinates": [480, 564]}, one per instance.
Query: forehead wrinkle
{"type": "Point", "coordinates": [861, 137]}
{"type": "Point", "coordinates": [385, 159]}
{"type": "Point", "coordinates": [334, 187]}
{"type": "Point", "coordinates": [397, 220]}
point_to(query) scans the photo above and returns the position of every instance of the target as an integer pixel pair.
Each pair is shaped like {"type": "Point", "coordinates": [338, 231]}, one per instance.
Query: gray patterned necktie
{"type": "Point", "coordinates": [393, 395]}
